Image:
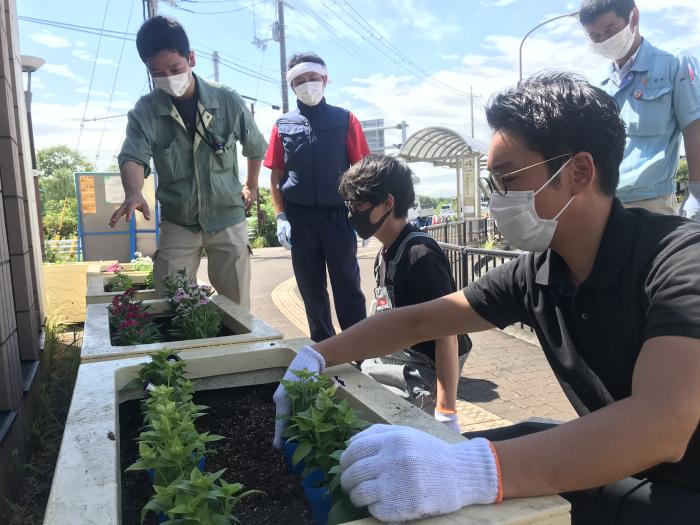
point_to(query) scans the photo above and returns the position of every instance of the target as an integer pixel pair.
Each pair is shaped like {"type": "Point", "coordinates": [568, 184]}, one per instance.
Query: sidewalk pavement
{"type": "Point", "coordinates": [506, 378]}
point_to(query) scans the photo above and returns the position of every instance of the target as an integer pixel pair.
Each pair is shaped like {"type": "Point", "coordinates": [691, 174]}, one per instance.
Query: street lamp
{"type": "Point", "coordinates": [520, 60]}
{"type": "Point", "coordinates": [29, 65]}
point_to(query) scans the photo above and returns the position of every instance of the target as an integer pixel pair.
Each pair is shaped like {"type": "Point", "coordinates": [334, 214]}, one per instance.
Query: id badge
{"type": "Point", "coordinates": [382, 300]}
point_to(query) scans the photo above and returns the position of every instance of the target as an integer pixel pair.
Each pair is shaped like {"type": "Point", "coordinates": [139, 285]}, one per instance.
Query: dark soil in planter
{"type": "Point", "coordinates": [245, 416]}
{"type": "Point", "coordinates": [164, 325]}
{"type": "Point", "coordinates": [140, 287]}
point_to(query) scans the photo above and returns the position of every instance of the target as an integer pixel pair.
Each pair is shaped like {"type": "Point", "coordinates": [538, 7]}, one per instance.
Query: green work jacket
{"type": "Point", "coordinates": [196, 186]}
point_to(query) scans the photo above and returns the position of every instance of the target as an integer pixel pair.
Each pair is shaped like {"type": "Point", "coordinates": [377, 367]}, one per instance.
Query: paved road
{"type": "Point", "coordinates": [505, 377]}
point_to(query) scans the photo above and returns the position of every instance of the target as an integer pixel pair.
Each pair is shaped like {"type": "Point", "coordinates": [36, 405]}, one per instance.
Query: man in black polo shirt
{"type": "Point", "coordinates": [410, 268]}
{"type": "Point", "coordinates": [614, 297]}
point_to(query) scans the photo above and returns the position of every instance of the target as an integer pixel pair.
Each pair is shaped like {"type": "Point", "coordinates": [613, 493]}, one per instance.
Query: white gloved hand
{"type": "Point", "coordinates": [307, 358]}
{"type": "Point", "coordinates": [691, 206]}
{"type": "Point", "coordinates": [284, 231]}
{"type": "Point", "coordinates": [401, 473]}
{"type": "Point", "coordinates": [449, 419]}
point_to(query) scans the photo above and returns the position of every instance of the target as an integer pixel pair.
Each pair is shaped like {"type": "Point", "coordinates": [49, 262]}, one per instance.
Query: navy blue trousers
{"type": "Point", "coordinates": [323, 238]}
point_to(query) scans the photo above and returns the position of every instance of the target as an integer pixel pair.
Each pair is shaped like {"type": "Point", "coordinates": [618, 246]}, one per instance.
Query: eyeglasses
{"type": "Point", "coordinates": [496, 182]}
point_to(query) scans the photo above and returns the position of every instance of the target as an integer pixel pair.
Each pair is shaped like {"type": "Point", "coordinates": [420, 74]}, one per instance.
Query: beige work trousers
{"type": "Point", "coordinates": [665, 205]}
{"type": "Point", "coordinates": [227, 253]}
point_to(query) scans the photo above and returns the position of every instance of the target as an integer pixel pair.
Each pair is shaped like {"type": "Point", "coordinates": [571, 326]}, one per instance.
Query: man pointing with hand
{"type": "Point", "coordinates": [189, 127]}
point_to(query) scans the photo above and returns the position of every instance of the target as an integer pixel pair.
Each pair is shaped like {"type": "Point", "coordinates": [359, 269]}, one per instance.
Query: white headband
{"type": "Point", "coordinates": [305, 67]}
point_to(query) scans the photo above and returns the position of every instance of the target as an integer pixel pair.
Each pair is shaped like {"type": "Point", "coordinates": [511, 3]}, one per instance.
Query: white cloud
{"type": "Point", "coordinates": [81, 54]}
{"type": "Point", "coordinates": [497, 3]}
{"type": "Point", "coordinates": [50, 40]}
{"type": "Point", "coordinates": [448, 57]}
{"type": "Point", "coordinates": [80, 43]}
{"type": "Point", "coordinates": [93, 93]}
{"type": "Point", "coordinates": [62, 70]}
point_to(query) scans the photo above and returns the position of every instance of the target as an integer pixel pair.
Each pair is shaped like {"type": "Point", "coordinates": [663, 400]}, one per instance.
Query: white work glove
{"type": "Point", "coordinates": [284, 231]}
{"type": "Point", "coordinates": [449, 419]}
{"type": "Point", "coordinates": [691, 206]}
{"type": "Point", "coordinates": [306, 358]}
{"type": "Point", "coordinates": [401, 473]}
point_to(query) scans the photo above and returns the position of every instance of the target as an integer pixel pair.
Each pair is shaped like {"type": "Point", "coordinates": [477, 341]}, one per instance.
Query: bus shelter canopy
{"type": "Point", "coordinates": [441, 147]}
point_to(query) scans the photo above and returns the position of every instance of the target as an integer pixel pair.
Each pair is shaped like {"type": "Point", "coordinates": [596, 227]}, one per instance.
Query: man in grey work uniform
{"type": "Point", "coordinates": [190, 127]}
{"type": "Point", "coordinates": [658, 94]}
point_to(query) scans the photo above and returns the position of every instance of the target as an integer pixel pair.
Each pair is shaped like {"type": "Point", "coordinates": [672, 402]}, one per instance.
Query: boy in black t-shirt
{"type": "Point", "coordinates": [409, 269]}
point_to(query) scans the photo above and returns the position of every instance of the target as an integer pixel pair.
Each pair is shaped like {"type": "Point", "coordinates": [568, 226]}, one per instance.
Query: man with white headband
{"type": "Point", "coordinates": [189, 127]}
{"type": "Point", "coordinates": [659, 98]}
{"type": "Point", "coordinates": [310, 148]}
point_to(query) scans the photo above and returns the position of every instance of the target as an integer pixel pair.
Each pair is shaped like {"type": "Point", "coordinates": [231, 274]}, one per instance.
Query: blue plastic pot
{"type": "Point", "coordinates": [319, 498]}
{"type": "Point", "coordinates": [152, 472]}
{"type": "Point", "coordinates": [289, 447]}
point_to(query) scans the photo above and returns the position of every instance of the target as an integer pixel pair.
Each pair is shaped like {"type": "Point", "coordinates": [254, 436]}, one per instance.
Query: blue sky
{"type": "Point", "coordinates": [446, 48]}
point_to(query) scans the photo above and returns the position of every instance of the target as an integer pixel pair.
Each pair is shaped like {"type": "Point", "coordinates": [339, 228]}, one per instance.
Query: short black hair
{"type": "Point", "coordinates": [374, 178]}
{"type": "Point", "coordinates": [592, 9]}
{"type": "Point", "coordinates": [308, 56]}
{"type": "Point", "coordinates": [558, 113]}
{"type": "Point", "coordinates": [161, 33]}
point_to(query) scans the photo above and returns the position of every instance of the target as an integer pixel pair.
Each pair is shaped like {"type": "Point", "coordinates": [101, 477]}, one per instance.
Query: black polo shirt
{"type": "Point", "coordinates": [645, 283]}
{"type": "Point", "coordinates": [422, 274]}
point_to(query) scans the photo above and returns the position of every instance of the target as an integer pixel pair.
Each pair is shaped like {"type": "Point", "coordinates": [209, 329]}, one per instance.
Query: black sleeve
{"type": "Point", "coordinates": [499, 296]}
{"type": "Point", "coordinates": [673, 291]}
{"type": "Point", "coordinates": [429, 276]}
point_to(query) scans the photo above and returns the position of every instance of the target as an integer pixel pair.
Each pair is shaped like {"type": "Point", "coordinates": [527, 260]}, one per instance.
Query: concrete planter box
{"type": "Point", "coordinates": [64, 291]}
{"type": "Point", "coordinates": [87, 481]}
{"type": "Point", "coordinates": [99, 269]}
{"type": "Point", "coordinates": [245, 326]}
{"type": "Point", "coordinates": [97, 294]}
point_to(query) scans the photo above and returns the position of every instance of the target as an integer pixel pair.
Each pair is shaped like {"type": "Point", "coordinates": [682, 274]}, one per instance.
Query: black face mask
{"type": "Point", "coordinates": [362, 224]}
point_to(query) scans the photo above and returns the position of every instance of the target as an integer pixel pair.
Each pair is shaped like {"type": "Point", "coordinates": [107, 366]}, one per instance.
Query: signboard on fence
{"type": "Point", "coordinates": [374, 135]}
{"type": "Point", "coordinates": [470, 204]}
{"type": "Point", "coordinates": [99, 195]}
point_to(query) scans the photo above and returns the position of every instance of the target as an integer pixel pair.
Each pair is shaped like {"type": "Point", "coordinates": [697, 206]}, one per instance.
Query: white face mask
{"type": "Point", "coordinates": [617, 46]}
{"type": "Point", "coordinates": [517, 219]}
{"type": "Point", "coordinates": [174, 85]}
{"type": "Point", "coordinates": [309, 93]}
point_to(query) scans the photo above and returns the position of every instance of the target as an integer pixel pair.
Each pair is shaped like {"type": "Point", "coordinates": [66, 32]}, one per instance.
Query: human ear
{"type": "Point", "coordinates": [583, 172]}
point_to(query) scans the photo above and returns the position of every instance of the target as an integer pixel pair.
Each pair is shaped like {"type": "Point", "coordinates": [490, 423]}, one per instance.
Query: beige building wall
{"type": "Point", "coordinates": [20, 263]}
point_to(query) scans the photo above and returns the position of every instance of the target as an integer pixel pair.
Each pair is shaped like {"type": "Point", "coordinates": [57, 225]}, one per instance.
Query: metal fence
{"type": "Point", "coordinates": [61, 250]}
{"type": "Point", "coordinates": [462, 233]}
{"type": "Point", "coordinates": [468, 264]}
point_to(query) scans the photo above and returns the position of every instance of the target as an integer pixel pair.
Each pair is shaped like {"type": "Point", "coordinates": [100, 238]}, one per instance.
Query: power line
{"type": "Point", "coordinates": [175, 6]}
{"type": "Point", "coordinates": [332, 33]}
{"type": "Point", "coordinates": [92, 77]}
{"type": "Point", "coordinates": [114, 84]}
{"type": "Point", "coordinates": [373, 31]}
{"type": "Point", "coordinates": [120, 35]}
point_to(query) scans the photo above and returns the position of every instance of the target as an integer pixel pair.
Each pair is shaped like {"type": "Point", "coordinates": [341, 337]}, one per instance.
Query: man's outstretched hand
{"type": "Point", "coordinates": [131, 203]}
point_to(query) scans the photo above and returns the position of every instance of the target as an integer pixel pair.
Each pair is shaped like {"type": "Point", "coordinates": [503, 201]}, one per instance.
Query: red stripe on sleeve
{"type": "Point", "coordinates": [274, 157]}
{"type": "Point", "coordinates": [355, 141]}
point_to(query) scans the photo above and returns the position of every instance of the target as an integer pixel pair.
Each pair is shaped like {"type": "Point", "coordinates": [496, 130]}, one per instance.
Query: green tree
{"type": "Point", "coordinates": [268, 228]}
{"type": "Point", "coordinates": [49, 160]}
{"type": "Point", "coordinates": [59, 209]}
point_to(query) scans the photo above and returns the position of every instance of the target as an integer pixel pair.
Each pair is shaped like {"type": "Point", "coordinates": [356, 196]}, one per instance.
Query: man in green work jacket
{"type": "Point", "coordinates": [189, 127]}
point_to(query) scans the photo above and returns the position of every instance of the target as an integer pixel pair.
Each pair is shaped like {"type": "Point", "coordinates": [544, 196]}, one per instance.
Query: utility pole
{"type": "Point", "coordinates": [152, 8]}
{"type": "Point", "coordinates": [279, 36]}
{"type": "Point", "coordinates": [471, 100]}
{"type": "Point", "coordinates": [215, 59]}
